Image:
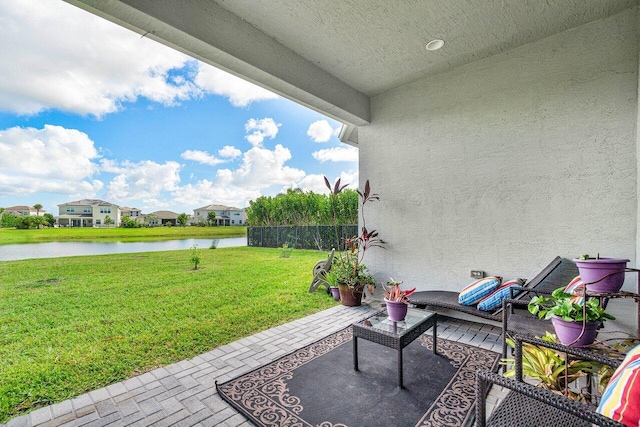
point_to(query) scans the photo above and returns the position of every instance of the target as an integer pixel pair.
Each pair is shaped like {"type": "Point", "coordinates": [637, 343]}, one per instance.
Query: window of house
{"type": "Point", "coordinates": [98, 222]}
{"type": "Point", "coordinates": [86, 210]}
{"type": "Point", "coordinates": [233, 221]}
{"type": "Point", "coordinates": [105, 210]}
{"type": "Point", "coordinates": [70, 210]}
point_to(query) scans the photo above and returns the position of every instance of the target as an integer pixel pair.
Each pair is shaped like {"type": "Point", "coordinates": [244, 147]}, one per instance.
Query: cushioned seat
{"type": "Point", "coordinates": [558, 273]}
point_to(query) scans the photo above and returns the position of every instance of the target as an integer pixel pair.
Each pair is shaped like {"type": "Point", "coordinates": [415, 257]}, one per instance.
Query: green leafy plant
{"type": "Point", "coordinates": [195, 257]}
{"type": "Point", "coordinates": [331, 278]}
{"type": "Point", "coordinates": [392, 292]}
{"type": "Point", "coordinates": [586, 256]}
{"type": "Point", "coordinates": [285, 250]}
{"type": "Point", "coordinates": [563, 305]}
{"type": "Point", "coordinates": [549, 369]}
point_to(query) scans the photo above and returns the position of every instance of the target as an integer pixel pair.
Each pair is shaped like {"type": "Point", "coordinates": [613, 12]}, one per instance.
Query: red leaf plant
{"type": "Point", "coordinates": [392, 292]}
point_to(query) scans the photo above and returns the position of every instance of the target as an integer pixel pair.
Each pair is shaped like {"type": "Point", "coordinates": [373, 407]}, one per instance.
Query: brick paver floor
{"type": "Point", "coordinates": [184, 393]}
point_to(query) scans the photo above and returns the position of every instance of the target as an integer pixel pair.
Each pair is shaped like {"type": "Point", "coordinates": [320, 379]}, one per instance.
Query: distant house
{"type": "Point", "coordinates": [225, 215]}
{"type": "Point", "coordinates": [133, 213]}
{"type": "Point", "coordinates": [162, 218]}
{"type": "Point", "coordinates": [88, 213]}
{"type": "Point", "coordinates": [23, 211]}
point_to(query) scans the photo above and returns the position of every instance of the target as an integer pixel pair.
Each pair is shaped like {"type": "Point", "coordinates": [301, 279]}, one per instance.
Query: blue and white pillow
{"type": "Point", "coordinates": [479, 289]}
{"type": "Point", "coordinates": [495, 298]}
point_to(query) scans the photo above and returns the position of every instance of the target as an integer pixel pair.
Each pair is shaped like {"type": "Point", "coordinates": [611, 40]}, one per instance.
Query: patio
{"type": "Point", "coordinates": [184, 393]}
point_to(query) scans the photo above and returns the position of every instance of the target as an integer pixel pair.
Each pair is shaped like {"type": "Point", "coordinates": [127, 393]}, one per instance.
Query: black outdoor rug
{"type": "Point", "coordinates": [317, 386]}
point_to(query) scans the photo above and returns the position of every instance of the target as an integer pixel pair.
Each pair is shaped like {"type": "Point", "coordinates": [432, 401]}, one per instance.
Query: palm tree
{"type": "Point", "coordinates": [37, 207]}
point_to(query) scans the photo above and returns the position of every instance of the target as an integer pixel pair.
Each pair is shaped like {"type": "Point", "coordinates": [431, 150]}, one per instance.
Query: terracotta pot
{"type": "Point", "coordinates": [350, 297]}
{"type": "Point", "coordinates": [602, 274]}
{"type": "Point", "coordinates": [568, 332]}
{"type": "Point", "coordinates": [397, 310]}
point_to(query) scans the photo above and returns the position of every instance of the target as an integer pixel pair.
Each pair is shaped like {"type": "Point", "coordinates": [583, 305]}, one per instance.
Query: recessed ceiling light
{"type": "Point", "coordinates": [435, 44]}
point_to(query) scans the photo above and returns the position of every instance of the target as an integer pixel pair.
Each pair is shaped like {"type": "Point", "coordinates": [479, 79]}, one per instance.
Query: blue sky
{"type": "Point", "coordinates": [91, 110]}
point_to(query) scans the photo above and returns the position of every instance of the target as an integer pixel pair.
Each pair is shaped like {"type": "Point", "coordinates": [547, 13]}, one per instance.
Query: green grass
{"type": "Point", "coordinates": [11, 235]}
{"type": "Point", "coordinates": [71, 325]}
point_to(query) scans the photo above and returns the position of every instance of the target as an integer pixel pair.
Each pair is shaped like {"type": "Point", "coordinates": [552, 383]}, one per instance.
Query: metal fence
{"type": "Point", "coordinates": [320, 237]}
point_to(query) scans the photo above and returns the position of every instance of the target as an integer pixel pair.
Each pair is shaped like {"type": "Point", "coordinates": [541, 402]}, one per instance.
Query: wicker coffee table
{"type": "Point", "coordinates": [379, 329]}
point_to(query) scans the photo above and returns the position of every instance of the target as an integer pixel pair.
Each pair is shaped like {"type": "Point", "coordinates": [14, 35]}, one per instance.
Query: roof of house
{"type": "Point", "coordinates": [218, 208]}
{"type": "Point", "coordinates": [165, 214]}
{"type": "Point", "coordinates": [88, 202]}
{"type": "Point", "coordinates": [127, 208]}
{"type": "Point", "coordinates": [21, 208]}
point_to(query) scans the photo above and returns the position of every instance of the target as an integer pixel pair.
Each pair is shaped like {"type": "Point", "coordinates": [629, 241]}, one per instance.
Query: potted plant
{"type": "Point", "coordinates": [575, 324]}
{"type": "Point", "coordinates": [396, 300]}
{"type": "Point", "coordinates": [604, 275]}
{"type": "Point", "coordinates": [331, 277]}
{"type": "Point", "coordinates": [353, 275]}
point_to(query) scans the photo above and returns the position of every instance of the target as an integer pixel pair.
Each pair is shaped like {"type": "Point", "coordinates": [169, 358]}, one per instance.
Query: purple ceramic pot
{"type": "Point", "coordinates": [397, 310]}
{"type": "Point", "coordinates": [602, 274]}
{"type": "Point", "coordinates": [568, 332]}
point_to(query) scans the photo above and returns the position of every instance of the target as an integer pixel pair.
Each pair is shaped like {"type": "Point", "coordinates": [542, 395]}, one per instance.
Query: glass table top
{"type": "Point", "coordinates": [380, 321]}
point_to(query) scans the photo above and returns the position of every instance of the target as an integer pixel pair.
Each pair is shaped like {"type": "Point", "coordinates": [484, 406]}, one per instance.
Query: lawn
{"type": "Point", "coordinates": [10, 235]}
{"type": "Point", "coordinates": [71, 325]}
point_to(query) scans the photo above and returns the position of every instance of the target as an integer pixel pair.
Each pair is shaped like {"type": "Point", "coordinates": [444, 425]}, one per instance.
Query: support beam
{"type": "Point", "coordinates": [208, 32]}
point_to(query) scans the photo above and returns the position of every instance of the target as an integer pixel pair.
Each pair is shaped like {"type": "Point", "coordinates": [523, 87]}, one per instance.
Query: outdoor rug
{"type": "Point", "coordinates": [317, 386]}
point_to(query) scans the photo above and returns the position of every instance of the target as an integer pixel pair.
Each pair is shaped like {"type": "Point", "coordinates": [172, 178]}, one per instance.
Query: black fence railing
{"type": "Point", "coordinates": [320, 237]}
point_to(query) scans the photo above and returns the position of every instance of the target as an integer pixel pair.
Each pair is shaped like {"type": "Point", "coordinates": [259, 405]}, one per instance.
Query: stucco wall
{"type": "Point", "coordinates": [506, 162]}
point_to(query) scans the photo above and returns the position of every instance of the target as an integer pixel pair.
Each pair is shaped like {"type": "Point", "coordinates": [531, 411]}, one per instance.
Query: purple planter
{"type": "Point", "coordinates": [335, 293]}
{"type": "Point", "coordinates": [602, 274]}
{"type": "Point", "coordinates": [568, 332]}
{"type": "Point", "coordinates": [396, 310]}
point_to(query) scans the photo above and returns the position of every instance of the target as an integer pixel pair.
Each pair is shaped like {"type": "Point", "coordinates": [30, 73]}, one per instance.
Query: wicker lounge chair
{"type": "Point", "coordinates": [512, 314]}
{"type": "Point", "coordinates": [527, 405]}
{"type": "Point", "coordinates": [319, 271]}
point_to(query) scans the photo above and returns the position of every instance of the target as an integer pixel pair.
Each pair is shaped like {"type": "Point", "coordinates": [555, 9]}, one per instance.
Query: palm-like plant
{"type": "Point", "coordinates": [349, 263]}
{"type": "Point", "coordinates": [550, 369]}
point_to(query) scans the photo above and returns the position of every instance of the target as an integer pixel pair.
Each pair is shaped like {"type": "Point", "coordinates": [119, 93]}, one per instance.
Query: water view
{"type": "Point", "coordinates": [62, 249]}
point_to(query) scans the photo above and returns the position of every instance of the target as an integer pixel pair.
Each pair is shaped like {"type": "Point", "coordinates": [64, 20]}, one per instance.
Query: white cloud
{"type": "Point", "coordinates": [201, 157]}
{"type": "Point", "coordinates": [336, 154]}
{"type": "Point", "coordinates": [315, 182]}
{"type": "Point", "coordinates": [55, 55]}
{"type": "Point", "coordinates": [145, 180]}
{"type": "Point", "coordinates": [229, 152]}
{"type": "Point", "coordinates": [261, 129]}
{"type": "Point", "coordinates": [322, 131]}
{"type": "Point", "coordinates": [260, 168]}
{"type": "Point", "coordinates": [51, 159]}
{"type": "Point", "coordinates": [240, 92]}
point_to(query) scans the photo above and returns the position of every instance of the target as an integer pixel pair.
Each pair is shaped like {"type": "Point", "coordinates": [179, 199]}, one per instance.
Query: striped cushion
{"type": "Point", "coordinates": [621, 398]}
{"type": "Point", "coordinates": [477, 290]}
{"type": "Point", "coordinates": [576, 287]}
{"type": "Point", "coordinates": [495, 298]}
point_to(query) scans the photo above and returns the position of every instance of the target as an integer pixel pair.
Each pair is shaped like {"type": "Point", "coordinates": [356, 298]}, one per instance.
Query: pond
{"type": "Point", "coordinates": [61, 249]}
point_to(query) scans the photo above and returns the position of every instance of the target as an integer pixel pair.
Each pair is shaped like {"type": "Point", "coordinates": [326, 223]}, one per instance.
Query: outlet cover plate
{"type": "Point", "coordinates": [477, 274]}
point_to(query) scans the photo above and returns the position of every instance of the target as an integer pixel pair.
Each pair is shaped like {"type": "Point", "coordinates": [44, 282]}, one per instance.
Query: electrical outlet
{"type": "Point", "coordinates": [477, 274]}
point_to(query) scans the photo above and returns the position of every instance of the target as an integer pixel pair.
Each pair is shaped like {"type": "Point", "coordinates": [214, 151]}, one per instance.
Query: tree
{"type": "Point", "coordinates": [127, 222]}
{"type": "Point", "coordinates": [49, 220]}
{"type": "Point", "coordinates": [108, 220]}
{"type": "Point", "coordinates": [211, 218]}
{"type": "Point", "coordinates": [37, 207]}
{"type": "Point", "coordinates": [183, 218]}
{"type": "Point", "coordinates": [1, 213]}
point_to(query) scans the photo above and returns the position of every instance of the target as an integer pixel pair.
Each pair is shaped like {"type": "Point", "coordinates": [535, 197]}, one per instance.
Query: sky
{"type": "Point", "coordinates": [89, 109]}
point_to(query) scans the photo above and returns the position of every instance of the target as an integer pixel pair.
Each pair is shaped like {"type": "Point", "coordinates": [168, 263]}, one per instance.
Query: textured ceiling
{"type": "Point", "coordinates": [377, 45]}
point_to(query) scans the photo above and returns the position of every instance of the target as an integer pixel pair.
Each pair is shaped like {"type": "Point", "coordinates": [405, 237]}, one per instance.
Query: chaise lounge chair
{"type": "Point", "coordinates": [512, 314]}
